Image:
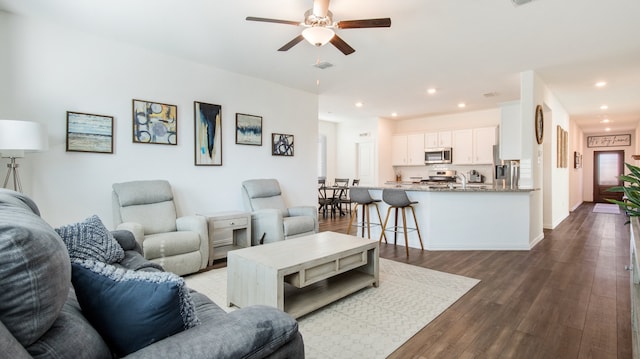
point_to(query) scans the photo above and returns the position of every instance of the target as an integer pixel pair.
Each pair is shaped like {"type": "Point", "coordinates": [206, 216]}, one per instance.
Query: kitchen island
{"type": "Point", "coordinates": [476, 217]}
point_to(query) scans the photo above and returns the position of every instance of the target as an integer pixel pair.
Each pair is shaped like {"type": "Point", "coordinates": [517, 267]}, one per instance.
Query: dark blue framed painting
{"type": "Point", "coordinates": [208, 134]}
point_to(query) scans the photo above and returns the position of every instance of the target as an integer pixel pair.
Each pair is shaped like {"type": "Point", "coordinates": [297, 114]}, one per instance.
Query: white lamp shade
{"type": "Point", "coordinates": [318, 35]}
{"type": "Point", "coordinates": [17, 137]}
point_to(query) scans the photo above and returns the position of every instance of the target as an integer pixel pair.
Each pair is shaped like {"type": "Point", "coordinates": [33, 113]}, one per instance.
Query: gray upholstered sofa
{"type": "Point", "coordinates": [40, 314]}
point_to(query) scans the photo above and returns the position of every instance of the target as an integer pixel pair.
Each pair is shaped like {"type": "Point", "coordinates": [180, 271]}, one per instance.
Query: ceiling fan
{"type": "Point", "coordinates": [319, 25]}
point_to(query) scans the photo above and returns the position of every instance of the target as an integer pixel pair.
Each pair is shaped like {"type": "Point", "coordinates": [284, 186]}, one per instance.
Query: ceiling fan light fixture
{"type": "Point", "coordinates": [318, 35]}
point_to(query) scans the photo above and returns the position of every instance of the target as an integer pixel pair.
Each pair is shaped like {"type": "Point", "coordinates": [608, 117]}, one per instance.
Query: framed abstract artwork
{"type": "Point", "coordinates": [281, 144]}
{"type": "Point", "coordinates": [155, 123]}
{"type": "Point", "coordinates": [89, 133]}
{"type": "Point", "coordinates": [208, 134]}
{"type": "Point", "coordinates": [248, 129]}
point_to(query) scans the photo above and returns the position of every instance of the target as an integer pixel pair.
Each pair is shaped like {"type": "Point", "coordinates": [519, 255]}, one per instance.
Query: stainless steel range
{"type": "Point", "coordinates": [439, 177]}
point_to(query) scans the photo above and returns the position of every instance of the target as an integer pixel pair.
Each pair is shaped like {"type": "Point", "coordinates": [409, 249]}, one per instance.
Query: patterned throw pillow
{"type": "Point", "coordinates": [90, 239]}
{"type": "Point", "coordinates": [132, 309]}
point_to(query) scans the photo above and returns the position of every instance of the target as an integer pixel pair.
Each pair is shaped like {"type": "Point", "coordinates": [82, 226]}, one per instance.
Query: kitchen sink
{"type": "Point", "coordinates": [478, 186]}
{"type": "Point", "coordinates": [459, 186]}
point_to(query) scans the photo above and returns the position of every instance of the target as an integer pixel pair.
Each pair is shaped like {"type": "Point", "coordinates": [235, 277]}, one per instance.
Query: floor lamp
{"type": "Point", "coordinates": [16, 139]}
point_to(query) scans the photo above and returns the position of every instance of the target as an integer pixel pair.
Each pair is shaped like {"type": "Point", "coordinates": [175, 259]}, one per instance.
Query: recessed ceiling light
{"type": "Point", "coordinates": [601, 84]}
{"type": "Point", "coordinates": [607, 129]}
{"type": "Point", "coordinates": [395, 114]}
{"type": "Point", "coordinates": [359, 104]}
{"type": "Point", "coordinates": [606, 120]}
{"type": "Point", "coordinates": [604, 107]}
{"type": "Point", "coordinates": [462, 105]}
{"type": "Point", "coordinates": [431, 91]}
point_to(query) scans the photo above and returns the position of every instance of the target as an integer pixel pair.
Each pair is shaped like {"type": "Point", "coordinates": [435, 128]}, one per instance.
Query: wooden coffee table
{"type": "Point", "coordinates": [302, 274]}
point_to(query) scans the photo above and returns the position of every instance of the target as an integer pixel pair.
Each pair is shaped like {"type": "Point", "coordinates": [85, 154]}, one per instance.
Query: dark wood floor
{"type": "Point", "coordinates": [566, 298]}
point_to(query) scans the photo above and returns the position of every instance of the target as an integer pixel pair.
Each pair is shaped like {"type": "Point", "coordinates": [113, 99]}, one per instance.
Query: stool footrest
{"type": "Point", "coordinates": [399, 229]}
{"type": "Point", "coordinates": [365, 225]}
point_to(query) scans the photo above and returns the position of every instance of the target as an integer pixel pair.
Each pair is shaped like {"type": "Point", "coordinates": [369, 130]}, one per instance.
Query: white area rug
{"type": "Point", "coordinates": [371, 323]}
{"type": "Point", "coordinates": [606, 208]}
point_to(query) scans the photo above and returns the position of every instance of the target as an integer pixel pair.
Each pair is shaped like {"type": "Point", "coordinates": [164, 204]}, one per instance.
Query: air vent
{"type": "Point", "coordinates": [490, 94]}
{"type": "Point", "coordinates": [520, 2]}
{"type": "Point", "coordinates": [323, 65]}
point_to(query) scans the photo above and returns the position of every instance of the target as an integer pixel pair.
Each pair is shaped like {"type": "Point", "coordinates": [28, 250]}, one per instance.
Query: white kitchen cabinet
{"type": "Point", "coordinates": [407, 150]}
{"type": "Point", "coordinates": [415, 149]}
{"type": "Point", "coordinates": [474, 146]}
{"type": "Point", "coordinates": [483, 140]}
{"type": "Point", "coordinates": [437, 139]}
{"type": "Point", "coordinates": [462, 147]}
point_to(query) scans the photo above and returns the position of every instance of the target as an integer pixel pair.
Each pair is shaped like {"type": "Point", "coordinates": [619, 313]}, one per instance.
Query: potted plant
{"type": "Point", "coordinates": [631, 200]}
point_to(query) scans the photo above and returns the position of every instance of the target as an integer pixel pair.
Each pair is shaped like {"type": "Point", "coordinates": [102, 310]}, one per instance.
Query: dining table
{"type": "Point", "coordinates": [332, 197]}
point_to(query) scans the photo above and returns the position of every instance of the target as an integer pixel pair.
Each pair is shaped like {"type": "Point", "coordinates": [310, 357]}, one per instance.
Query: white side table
{"type": "Point", "coordinates": [227, 231]}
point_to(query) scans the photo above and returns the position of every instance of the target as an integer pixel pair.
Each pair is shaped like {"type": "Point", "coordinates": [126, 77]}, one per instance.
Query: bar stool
{"type": "Point", "coordinates": [362, 198]}
{"type": "Point", "coordinates": [397, 199]}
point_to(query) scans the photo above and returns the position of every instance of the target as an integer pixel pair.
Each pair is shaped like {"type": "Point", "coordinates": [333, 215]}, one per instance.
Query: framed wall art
{"type": "Point", "coordinates": [609, 141]}
{"type": "Point", "coordinates": [155, 123]}
{"type": "Point", "coordinates": [208, 134]}
{"type": "Point", "coordinates": [562, 151]}
{"type": "Point", "coordinates": [281, 144]}
{"type": "Point", "coordinates": [577, 159]}
{"type": "Point", "coordinates": [89, 133]}
{"type": "Point", "coordinates": [248, 129]}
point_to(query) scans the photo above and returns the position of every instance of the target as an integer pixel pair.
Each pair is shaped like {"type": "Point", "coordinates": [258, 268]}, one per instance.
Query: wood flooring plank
{"type": "Point", "coordinates": [566, 298]}
{"type": "Point", "coordinates": [623, 316]}
{"type": "Point", "coordinates": [601, 332]}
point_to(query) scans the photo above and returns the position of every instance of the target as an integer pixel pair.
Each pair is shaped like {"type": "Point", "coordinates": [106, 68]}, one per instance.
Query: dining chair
{"type": "Point", "coordinates": [325, 202]}
{"type": "Point", "coordinates": [341, 193]}
{"type": "Point", "coordinates": [347, 201]}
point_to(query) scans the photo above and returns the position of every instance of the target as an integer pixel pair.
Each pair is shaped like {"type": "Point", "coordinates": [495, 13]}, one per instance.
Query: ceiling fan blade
{"type": "Point", "coordinates": [342, 45]}
{"type": "Point", "coordinates": [263, 19]}
{"type": "Point", "coordinates": [359, 24]}
{"type": "Point", "coordinates": [291, 43]}
{"type": "Point", "coordinates": [320, 8]}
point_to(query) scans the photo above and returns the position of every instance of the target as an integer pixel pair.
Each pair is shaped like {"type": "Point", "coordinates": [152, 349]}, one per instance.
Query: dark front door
{"type": "Point", "coordinates": [607, 166]}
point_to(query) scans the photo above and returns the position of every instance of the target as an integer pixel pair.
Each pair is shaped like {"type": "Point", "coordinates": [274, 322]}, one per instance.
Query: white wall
{"type": "Point", "coordinates": [349, 134]}
{"type": "Point", "coordinates": [556, 185]}
{"type": "Point", "coordinates": [329, 129]}
{"type": "Point", "coordinates": [576, 175]}
{"type": "Point", "coordinates": [532, 160]}
{"type": "Point", "coordinates": [6, 97]}
{"type": "Point", "coordinates": [386, 171]}
{"type": "Point", "coordinates": [57, 70]}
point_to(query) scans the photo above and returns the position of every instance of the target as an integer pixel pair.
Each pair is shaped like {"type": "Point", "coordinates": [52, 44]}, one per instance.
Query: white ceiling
{"type": "Point", "coordinates": [463, 48]}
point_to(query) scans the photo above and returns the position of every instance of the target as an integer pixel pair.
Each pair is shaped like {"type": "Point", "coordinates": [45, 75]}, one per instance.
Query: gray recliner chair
{"type": "Point", "coordinates": [146, 208]}
{"type": "Point", "coordinates": [271, 220]}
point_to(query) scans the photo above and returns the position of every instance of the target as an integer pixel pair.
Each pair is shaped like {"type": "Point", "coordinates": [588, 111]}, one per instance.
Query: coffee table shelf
{"type": "Point", "coordinates": [301, 301]}
{"type": "Point", "coordinates": [302, 274]}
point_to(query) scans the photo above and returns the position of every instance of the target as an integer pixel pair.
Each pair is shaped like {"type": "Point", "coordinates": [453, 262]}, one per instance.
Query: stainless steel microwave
{"type": "Point", "coordinates": [437, 155]}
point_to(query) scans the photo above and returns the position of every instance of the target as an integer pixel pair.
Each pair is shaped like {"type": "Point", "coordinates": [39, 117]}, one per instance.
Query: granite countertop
{"type": "Point", "coordinates": [454, 187]}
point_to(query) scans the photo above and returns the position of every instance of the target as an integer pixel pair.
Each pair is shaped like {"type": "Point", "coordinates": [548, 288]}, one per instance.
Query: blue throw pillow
{"type": "Point", "coordinates": [132, 309]}
{"type": "Point", "coordinates": [90, 239]}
